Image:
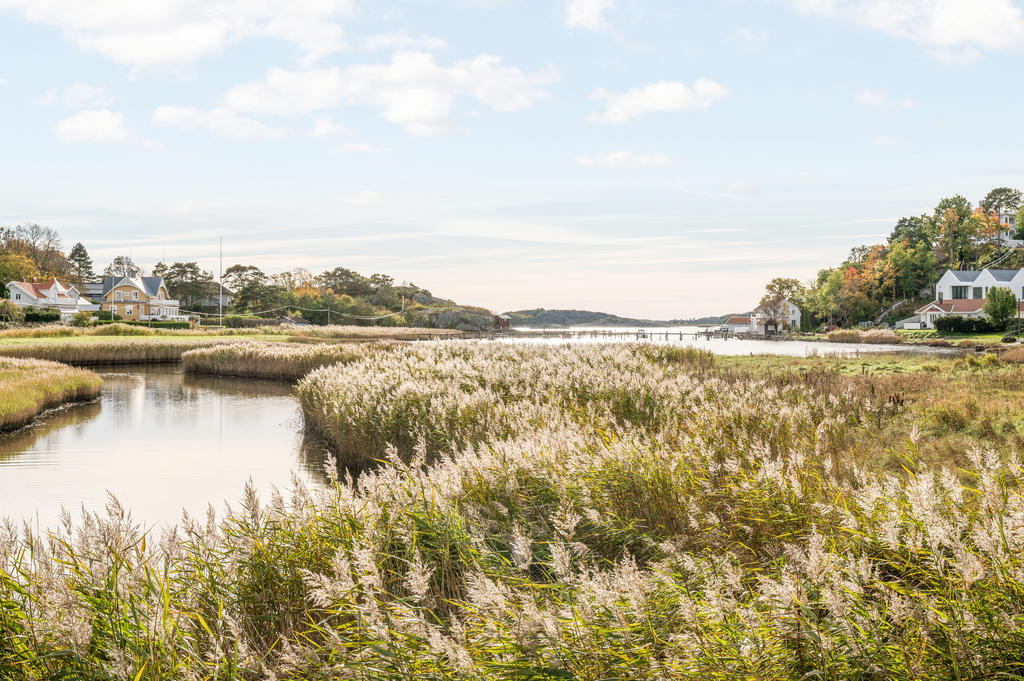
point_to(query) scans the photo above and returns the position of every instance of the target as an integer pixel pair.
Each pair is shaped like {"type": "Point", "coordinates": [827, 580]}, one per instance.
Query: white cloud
{"type": "Point", "coordinates": [78, 96]}
{"type": "Point", "coordinates": [950, 30]}
{"type": "Point", "coordinates": [879, 99]}
{"type": "Point", "coordinates": [356, 148]}
{"type": "Point", "coordinates": [588, 14]}
{"type": "Point", "coordinates": [412, 90]}
{"type": "Point", "coordinates": [887, 141]}
{"type": "Point", "coordinates": [621, 107]}
{"type": "Point", "coordinates": [220, 122]}
{"type": "Point", "coordinates": [174, 33]}
{"type": "Point", "coordinates": [325, 127]}
{"type": "Point", "coordinates": [93, 125]}
{"type": "Point", "coordinates": [623, 159]}
{"type": "Point", "coordinates": [402, 40]}
{"type": "Point", "coordinates": [747, 39]}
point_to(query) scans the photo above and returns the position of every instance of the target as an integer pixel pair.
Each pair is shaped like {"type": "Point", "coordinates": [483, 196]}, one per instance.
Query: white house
{"type": "Point", "coordinates": [49, 294]}
{"type": "Point", "coordinates": [963, 293]}
{"type": "Point", "coordinates": [758, 322]}
{"type": "Point", "coordinates": [760, 319]}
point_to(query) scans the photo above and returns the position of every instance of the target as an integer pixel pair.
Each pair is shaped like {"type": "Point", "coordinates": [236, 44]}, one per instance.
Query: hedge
{"type": "Point", "coordinates": [45, 315]}
{"type": "Point", "coordinates": [956, 324]}
{"type": "Point", "coordinates": [152, 325]}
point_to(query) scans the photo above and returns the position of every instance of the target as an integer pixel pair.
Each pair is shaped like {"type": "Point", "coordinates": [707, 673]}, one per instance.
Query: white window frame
{"type": "Point", "coordinates": [118, 296]}
{"type": "Point", "coordinates": [128, 311]}
{"type": "Point", "coordinates": [135, 295]}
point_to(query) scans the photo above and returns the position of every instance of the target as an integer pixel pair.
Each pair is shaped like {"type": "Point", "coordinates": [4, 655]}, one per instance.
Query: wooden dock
{"type": "Point", "coordinates": [600, 334]}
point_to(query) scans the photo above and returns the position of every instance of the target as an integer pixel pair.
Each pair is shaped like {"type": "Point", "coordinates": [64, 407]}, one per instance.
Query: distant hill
{"type": "Point", "coordinates": [546, 318]}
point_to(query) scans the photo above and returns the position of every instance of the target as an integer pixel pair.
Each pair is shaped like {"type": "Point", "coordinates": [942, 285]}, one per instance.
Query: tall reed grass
{"type": "Point", "coordinates": [29, 387]}
{"type": "Point", "coordinates": [278, 361]}
{"type": "Point", "coordinates": [123, 351]}
{"type": "Point", "coordinates": [634, 516]}
{"type": "Point", "coordinates": [844, 336]}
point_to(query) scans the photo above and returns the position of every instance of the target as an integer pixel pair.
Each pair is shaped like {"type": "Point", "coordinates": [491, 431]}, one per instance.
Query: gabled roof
{"type": "Point", "coordinates": [738, 320]}
{"type": "Point", "coordinates": [1004, 275]}
{"type": "Point", "coordinates": [957, 306]}
{"type": "Point", "coordinates": [148, 285]}
{"type": "Point", "coordinates": [965, 275]}
{"type": "Point", "coordinates": [41, 289]}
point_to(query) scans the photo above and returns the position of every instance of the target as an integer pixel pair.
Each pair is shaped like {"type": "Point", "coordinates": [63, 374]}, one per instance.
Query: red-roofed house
{"type": "Point", "coordinates": [49, 294]}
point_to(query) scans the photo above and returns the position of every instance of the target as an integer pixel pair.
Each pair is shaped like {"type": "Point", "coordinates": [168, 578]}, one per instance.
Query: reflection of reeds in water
{"type": "Point", "coordinates": [14, 443]}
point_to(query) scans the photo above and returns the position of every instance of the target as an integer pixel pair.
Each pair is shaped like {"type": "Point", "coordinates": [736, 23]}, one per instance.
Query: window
{"type": "Point", "coordinates": [135, 295]}
{"type": "Point", "coordinates": [17, 296]}
{"type": "Point", "coordinates": [128, 310]}
{"type": "Point", "coordinates": [117, 296]}
{"type": "Point", "coordinates": [959, 292]}
{"type": "Point", "coordinates": [978, 293]}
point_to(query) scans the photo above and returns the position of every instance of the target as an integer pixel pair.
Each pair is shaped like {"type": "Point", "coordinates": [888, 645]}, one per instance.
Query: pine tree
{"type": "Point", "coordinates": [81, 263]}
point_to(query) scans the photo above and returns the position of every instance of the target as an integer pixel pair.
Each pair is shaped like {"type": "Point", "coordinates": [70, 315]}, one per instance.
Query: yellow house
{"type": "Point", "coordinates": [140, 299]}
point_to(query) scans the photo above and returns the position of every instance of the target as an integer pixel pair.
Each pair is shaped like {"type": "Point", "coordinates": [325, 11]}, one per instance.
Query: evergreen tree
{"type": "Point", "coordinates": [122, 267]}
{"type": "Point", "coordinates": [81, 263]}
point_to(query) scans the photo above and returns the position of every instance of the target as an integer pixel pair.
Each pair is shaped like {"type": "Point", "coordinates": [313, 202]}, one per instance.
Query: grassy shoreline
{"type": "Point", "coordinates": [30, 387]}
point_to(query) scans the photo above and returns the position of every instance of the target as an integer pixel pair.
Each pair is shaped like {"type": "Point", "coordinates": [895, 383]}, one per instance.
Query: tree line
{"type": "Point", "coordinates": [32, 252]}
{"type": "Point", "coordinates": [892, 279]}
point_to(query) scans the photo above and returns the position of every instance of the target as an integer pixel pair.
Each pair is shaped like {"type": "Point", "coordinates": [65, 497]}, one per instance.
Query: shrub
{"type": "Point", "coordinates": [119, 329]}
{"type": "Point", "coordinates": [1009, 339]}
{"type": "Point", "coordinates": [82, 319]}
{"type": "Point", "coordinates": [240, 322]}
{"type": "Point", "coordinates": [41, 315]}
{"type": "Point", "coordinates": [939, 343]}
{"type": "Point", "coordinates": [844, 336]}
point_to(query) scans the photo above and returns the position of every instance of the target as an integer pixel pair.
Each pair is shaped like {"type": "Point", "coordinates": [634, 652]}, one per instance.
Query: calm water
{"type": "Point", "coordinates": [161, 442]}
{"type": "Point", "coordinates": [719, 346]}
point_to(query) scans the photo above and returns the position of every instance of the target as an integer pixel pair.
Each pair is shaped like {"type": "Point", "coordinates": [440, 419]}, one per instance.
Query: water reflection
{"type": "Point", "coordinates": [161, 442]}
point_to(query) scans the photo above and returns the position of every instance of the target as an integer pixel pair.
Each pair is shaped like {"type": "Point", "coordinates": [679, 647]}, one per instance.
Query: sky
{"type": "Point", "coordinates": [650, 158]}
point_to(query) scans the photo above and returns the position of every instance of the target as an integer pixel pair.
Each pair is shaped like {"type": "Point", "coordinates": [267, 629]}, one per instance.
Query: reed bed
{"type": "Point", "coordinates": [844, 336]}
{"type": "Point", "coordinates": [880, 336]}
{"type": "Point", "coordinates": [364, 332]}
{"type": "Point", "coordinates": [121, 351]}
{"type": "Point", "coordinates": [644, 515]}
{"type": "Point", "coordinates": [29, 387]}
{"type": "Point", "coordinates": [277, 361]}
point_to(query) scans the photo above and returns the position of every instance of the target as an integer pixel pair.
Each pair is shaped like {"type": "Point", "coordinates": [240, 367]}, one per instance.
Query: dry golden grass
{"type": "Point", "coordinates": [28, 387]}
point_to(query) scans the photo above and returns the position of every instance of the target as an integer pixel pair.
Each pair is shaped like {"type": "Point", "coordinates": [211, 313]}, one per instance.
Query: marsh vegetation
{"type": "Point", "coordinates": [590, 512]}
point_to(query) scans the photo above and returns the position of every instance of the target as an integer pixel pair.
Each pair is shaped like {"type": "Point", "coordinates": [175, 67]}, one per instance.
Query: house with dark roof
{"type": "Point", "coordinates": [963, 293]}
{"type": "Point", "coordinates": [140, 299]}
{"type": "Point", "coordinates": [51, 294]}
